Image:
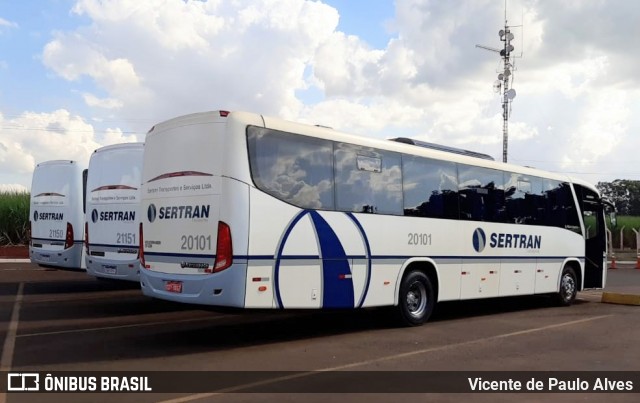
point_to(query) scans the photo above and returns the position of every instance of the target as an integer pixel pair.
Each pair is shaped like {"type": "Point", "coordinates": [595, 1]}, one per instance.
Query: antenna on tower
{"type": "Point", "coordinates": [505, 77]}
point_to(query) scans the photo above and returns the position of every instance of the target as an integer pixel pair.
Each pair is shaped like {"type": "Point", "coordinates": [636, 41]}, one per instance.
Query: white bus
{"type": "Point", "coordinates": [56, 214]}
{"type": "Point", "coordinates": [243, 210]}
{"type": "Point", "coordinates": [112, 218]}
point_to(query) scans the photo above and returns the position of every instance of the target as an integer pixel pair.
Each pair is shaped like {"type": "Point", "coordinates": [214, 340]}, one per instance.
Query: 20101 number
{"type": "Point", "coordinates": [419, 238]}
{"type": "Point", "coordinates": [195, 242]}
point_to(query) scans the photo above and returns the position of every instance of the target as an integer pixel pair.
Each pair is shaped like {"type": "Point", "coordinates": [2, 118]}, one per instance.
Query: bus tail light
{"type": "Point", "coordinates": [29, 234]}
{"type": "Point", "coordinates": [86, 236]}
{"type": "Point", "coordinates": [68, 241]}
{"type": "Point", "coordinates": [141, 247]}
{"type": "Point", "coordinates": [224, 248]}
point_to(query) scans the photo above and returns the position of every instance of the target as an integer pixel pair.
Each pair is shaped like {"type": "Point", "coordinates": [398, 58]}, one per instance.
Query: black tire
{"type": "Point", "coordinates": [568, 287]}
{"type": "Point", "coordinates": [416, 299]}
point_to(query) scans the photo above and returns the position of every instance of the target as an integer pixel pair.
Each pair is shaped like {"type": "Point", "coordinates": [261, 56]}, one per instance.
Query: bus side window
{"type": "Point", "coordinates": [430, 187]}
{"type": "Point", "coordinates": [481, 194]}
{"type": "Point", "coordinates": [295, 169]}
{"type": "Point", "coordinates": [367, 180]}
{"type": "Point", "coordinates": [523, 198]}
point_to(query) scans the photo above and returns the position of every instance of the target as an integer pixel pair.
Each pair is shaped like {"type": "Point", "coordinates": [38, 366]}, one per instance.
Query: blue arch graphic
{"type": "Point", "coordinates": [337, 284]}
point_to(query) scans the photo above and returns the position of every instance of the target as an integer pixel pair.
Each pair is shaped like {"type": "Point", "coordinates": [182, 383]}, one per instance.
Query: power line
{"type": "Point", "coordinates": [64, 130]}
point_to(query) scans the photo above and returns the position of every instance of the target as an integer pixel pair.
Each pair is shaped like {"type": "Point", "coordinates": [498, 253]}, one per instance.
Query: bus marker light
{"type": "Point", "coordinates": [86, 236]}
{"type": "Point", "coordinates": [387, 282]}
{"type": "Point", "coordinates": [262, 288]}
{"type": "Point", "coordinates": [68, 242]}
{"type": "Point", "coordinates": [141, 247]}
{"type": "Point", "coordinates": [224, 252]}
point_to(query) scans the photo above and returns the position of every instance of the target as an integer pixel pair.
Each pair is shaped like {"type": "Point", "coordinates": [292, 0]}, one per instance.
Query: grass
{"type": "Point", "coordinates": [14, 218]}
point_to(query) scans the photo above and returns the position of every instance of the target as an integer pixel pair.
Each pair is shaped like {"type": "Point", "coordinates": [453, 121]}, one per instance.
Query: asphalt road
{"type": "Point", "coordinates": [67, 321]}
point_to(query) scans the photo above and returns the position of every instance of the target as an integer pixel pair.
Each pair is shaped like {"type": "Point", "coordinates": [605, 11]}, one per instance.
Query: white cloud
{"type": "Point", "coordinates": [7, 24]}
{"type": "Point", "coordinates": [158, 59]}
{"type": "Point", "coordinates": [107, 103]}
{"type": "Point", "coordinates": [31, 138]}
{"type": "Point", "coordinates": [72, 56]}
{"type": "Point", "coordinates": [603, 126]}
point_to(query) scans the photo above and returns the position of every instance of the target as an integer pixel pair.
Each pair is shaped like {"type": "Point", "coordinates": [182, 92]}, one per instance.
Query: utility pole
{"type": "Point", "coordinates": [505, 78]}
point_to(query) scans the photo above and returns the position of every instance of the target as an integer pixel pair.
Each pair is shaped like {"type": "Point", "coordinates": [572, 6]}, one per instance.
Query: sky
{"type": "Point", "coordinates": [76, 75]}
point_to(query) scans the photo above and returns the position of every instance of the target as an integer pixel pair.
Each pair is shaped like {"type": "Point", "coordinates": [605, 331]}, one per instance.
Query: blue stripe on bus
{"type": "Point", "coordinates": [181, 255]}
{"type": "Point", "coordinates": [56, 240]}
{"type": "Point", "coordinates": [358, 257]}
{"type": "Point", "coordinates": [108, 245]}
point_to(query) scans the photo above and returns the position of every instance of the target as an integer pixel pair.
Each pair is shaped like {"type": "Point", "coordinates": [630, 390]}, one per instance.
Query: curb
{"type": "Point", "coordinates": [15, 261]}
{"type": "Point", "coordinates": [620, 299]}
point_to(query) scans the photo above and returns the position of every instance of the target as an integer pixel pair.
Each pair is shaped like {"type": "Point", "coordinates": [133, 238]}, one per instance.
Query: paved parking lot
{"type": "Point", "coordinates": [66, 321]}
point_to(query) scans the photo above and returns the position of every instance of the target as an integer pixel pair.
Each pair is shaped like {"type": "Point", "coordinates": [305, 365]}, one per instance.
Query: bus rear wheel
{"type": "Point", "coordinates": [416, 299]}
{"type": "Point", "coordinates": [568, 287]}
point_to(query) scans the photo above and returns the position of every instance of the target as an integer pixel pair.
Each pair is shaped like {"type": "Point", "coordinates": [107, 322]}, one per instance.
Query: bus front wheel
{"type": "Point", "coordinates": [568, 287]}
{"type": "Point", "coordinates": [416, 299]}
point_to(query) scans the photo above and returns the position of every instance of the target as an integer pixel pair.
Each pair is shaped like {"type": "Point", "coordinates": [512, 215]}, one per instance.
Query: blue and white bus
{"type": "Point", "coordinates": [112, 217]}
{"type": "Point", "coordinates": [243, 210]}
{"type": "Point", "coordinates": [56, 212]}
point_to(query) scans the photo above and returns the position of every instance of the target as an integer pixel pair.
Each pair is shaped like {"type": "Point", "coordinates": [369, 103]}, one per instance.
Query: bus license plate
{"type": "Point", "coordinates": [173, 286]}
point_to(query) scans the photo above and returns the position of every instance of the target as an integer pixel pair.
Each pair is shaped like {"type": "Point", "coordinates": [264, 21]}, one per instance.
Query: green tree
{"type": "Point", "coordinates": [618, 193]}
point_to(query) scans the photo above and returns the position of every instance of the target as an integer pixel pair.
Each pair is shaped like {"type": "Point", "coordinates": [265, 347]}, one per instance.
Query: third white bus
{"type": "Point", "coordinates": [243, 210]}
{"type": "Point", "coordinates": [56, 214]}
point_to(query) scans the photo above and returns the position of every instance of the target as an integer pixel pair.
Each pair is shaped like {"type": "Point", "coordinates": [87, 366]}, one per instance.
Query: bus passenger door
{"type": "Point", "coordinates": [595, 238]}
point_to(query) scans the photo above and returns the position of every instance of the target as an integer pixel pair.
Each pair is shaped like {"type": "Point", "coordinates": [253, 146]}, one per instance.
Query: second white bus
{"type": "Point", "coordinates": [243, 210]}
{"type": "Point", "coordinates": [113, 200]}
